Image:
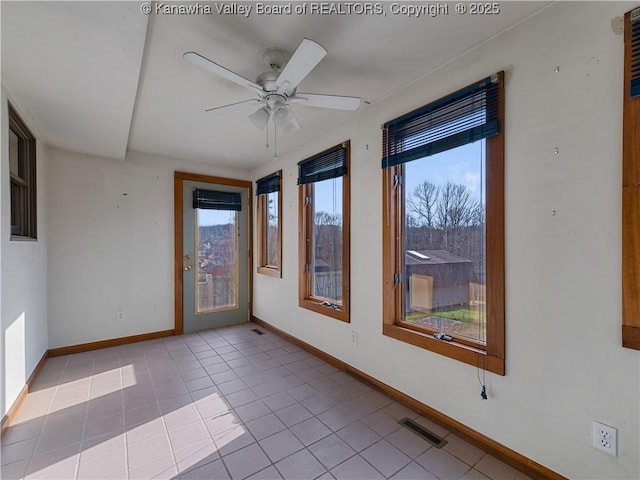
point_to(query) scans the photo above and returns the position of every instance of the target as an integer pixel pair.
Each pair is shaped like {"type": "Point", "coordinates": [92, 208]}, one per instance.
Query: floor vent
{"type": "Point", "coordinates": [257, 331]}
{"type": "Point", "coordinates": [422, 432]}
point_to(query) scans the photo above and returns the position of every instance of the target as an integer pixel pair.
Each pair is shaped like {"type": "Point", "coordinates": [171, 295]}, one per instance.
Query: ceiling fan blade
{"type": "Point", "coordinates": [233, 106]}
{"type": "Point", "coordinates": [221, 71]}
{"type": "Point", "coordinates": [326, 101]}
{"type": "Point", "coordinates": [304, 59]}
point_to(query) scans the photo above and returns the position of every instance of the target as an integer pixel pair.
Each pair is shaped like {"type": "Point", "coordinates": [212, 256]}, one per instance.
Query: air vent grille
{"type": "Point", "coordinates": [259, 332]}
{"type": "Point", "coordinates": [422, 432]}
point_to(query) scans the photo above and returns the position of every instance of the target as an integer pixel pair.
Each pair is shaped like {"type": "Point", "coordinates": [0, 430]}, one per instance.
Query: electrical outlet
{"type": "Point", "coordinates": [354, 338]}
{"type": "Point", "coordinates": [119, 316]}
{"type": "Point", "coordinates": [605, 438]}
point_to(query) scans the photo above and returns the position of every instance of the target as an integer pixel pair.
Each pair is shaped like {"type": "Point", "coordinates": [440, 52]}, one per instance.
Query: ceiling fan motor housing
{"type": "Point", "coordinates": [267, 81]}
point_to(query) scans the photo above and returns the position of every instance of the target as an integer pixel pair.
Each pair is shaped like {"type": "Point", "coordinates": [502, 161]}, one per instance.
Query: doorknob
{"type": "Point", "coordinates": [187, 268]}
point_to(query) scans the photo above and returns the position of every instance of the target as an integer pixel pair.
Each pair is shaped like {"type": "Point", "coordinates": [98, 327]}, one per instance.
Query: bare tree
{"type": "Point", "coordinates": [422, 204]}
{"type": "Point", "coordinates": [327, 236]}
{"type": "Point", "coordinates": [328, 248]}
{"type": "Point", "coordinates": [272, 230]}
{"type": "Point", "coordinates": [462, 207]}
{"type": "Point", "coordinates": [444, 214]}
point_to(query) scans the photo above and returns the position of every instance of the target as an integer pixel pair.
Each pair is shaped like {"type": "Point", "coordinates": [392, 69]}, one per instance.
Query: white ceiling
{"type": "Point", "coordinates": [92, 82]}
{"type": "Point", "coordinates": [73, 68]}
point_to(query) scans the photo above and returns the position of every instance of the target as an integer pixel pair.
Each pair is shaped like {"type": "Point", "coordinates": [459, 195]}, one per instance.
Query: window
{"type": "Point", "coordinates": [324, 232]}
{"type": "Point", "coordinates": [269, 224]}
{"type": "Point", "coordinates": [631, 183]}
{"type": "Point", "coordinates": [443, 226]}
{"type": "Point", "coordinates": [216, 244]}
{"type": "Point", "coordinates": [22, 169]}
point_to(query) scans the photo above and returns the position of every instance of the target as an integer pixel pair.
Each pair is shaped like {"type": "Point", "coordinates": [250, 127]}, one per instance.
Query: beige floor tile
{"type": "Point", "coordinates": [386, 458]}
{"type": "Point", "coordinates": [497, 470]}
{"type": "Point", "coordinates": [195, 455]}
{"type": "Point", "coordinates": [107, 465]}
{"type": "Point", "coordinates": [413, 471]}
{"type": "Point", "coordinates": [300, 465]}
{"type": "Point", "coordinates": [280, 445]}
{"type": "Point", "coordinates": [265, 426]}
{"type": "Point", "coordinates": [331, 451]}
{"type": "Point", "coordinates": [246, 461]}
{"type": "Point", "coordinates": [408, 442]}
{"type": "Point", "coordinates": [214, 470]}
{"type": "Point", "coordinates": [15, 470]}
{"type": "Point", "coordinates": [463, 450]}
{"type": "Point", "coordinates": [442, 464]}
{"type": "Point", "coordinates": [58, 463]}
{"type": "Point", "coordinates": [356, 468]}
{"type": "Point", "coordinates": [140, 453]}
{"type": "Point", "coordinates": [18, 450]}
{"type": "Point", "coordinates": [358, 436]}
{"type": "Point", "coordinates": [153, 410]}
{"type": "Point", "coordinates": [161, 468]}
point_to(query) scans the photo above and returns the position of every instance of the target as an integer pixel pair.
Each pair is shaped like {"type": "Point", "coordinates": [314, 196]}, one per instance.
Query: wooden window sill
{"type": "Point", "coordinates": [457, 351]}
{"type": "Point", "coordinates": [316, 306]}
{"type": "Point", "coordinates": [270, 271]}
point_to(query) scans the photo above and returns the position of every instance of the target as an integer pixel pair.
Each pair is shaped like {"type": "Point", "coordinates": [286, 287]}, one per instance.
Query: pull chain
{"type": "Point", "coordinates": [267, 145]}
{"type": "Point", "coordinates": [275, 139]}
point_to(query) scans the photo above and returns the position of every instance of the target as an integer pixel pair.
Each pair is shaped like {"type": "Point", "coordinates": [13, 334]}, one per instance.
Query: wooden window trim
{"type": "Point", "coordinates": [178, 223]}
{"type": "Point", "coordinates": [29, 221]}
{"type": "Point", "coordinates": [305, 221]}
{"type": "Point", "coordinates": [492, 357]}
{"type": "Point", "coordinates": [630, 204]}
{"type": "Point", "coordinates": [263, 267]}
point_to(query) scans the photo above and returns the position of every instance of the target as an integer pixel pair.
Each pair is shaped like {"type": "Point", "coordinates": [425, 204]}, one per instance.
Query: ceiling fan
{"type": "Point", "coordinates": [276, 88]}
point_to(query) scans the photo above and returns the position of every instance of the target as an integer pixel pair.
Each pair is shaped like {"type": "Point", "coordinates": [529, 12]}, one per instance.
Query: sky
{"type": "Point", "coordinates": [463, 165]}
{"type": "Point", "coordinates": [215, 217]}
{"type": "Point", "coordinates": [328, 196]}
{"type": "Point", "coordinates": [460, 165]}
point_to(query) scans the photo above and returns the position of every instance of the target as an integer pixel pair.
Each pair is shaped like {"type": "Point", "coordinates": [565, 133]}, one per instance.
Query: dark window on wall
{"type": "Point", "coordinates": [22, 170]}
{"type": "Point", "coordinates": [443, 226]}
{"type": "Point", "coordinates": [270, 224]}
{"type": "Point", "coordinates": [324, 232]}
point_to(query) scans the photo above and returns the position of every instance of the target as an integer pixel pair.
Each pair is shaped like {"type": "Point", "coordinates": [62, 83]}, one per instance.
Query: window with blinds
{"type": "Point", "coordinates": [269, 223]}
{"type": "Point", "coordinates": [443, 225]}
{"type": "Point", "coordinates": [631, 183]}
{"type": "Point", "coordinates": [214, 200]}
{"type": "Point", "coordinates": [323, 181]}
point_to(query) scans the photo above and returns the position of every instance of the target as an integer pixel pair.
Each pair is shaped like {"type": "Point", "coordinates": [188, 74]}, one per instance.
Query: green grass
{"type": "Point", "coordinates": [462, 314]}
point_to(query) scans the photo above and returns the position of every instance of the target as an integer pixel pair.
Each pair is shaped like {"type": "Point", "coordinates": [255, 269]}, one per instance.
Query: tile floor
{"type": "Point", "coordinates": [220, 404]}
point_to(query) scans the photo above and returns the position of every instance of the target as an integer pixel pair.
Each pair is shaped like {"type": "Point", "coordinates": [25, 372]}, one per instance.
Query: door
{"type": "Point", "coordinates": [215, 255]}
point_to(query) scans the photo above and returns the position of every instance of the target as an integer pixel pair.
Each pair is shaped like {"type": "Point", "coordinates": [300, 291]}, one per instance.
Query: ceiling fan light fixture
{"type": "Point", "coordinates": [260, 118]}
{"type": "Point", "coordinates": [283, 118]}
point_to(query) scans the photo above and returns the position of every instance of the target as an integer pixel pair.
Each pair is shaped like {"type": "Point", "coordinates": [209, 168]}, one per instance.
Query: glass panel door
{"type": "Point", "coordinates": [216, 240]}
{"type": "Point", "coordinates": [215, 260]}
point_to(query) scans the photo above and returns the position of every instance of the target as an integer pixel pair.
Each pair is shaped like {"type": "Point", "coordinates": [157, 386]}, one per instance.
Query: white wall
{"type": "Point", "coordinates": [23, 289]}
{"type": "Point", "coordinates": [565, 366]}
{"type": "Point", "coordinates": [109, 251]}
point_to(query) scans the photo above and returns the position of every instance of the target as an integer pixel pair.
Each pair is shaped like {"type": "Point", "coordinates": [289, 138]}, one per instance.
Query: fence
{"type": "Point", "coordinates": [328, 284]}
